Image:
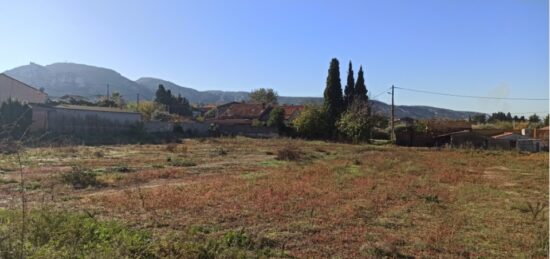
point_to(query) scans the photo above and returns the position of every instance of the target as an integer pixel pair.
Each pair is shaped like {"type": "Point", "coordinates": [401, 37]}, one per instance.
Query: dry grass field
{"type": "Point", "coordinates": [292, 198]}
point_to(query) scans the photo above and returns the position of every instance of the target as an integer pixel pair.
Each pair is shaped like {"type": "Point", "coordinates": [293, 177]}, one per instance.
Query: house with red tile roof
{"type": "Point", "coordinates": [292, 111]}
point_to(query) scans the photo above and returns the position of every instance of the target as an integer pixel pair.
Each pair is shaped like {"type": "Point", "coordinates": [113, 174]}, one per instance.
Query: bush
{"type": "Point", "coordinates": [180, 162]}
{"type": "Point", "coordinates": [311, 123]}
{"type": "Point", "coordinates": [355, 124]}
{"type": "Point", "coordinates": [289, 154]}
{"type": "Point", "coordinates": [81, 179]}
{"type": "Point", "coordinates": [276, 118]}
{"type": "Point", "coordinates": [380, 134]}
{"type": "Point", "coordinates": [15, 119]}
{"type": "Point", "coordinates": [60, 234]}
{"type": "Point", "coordinates": [66, 235]}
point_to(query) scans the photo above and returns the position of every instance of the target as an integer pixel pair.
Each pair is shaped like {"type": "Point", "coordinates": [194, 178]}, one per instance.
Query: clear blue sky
{"type": "Point", "coordinates": [497, 48]}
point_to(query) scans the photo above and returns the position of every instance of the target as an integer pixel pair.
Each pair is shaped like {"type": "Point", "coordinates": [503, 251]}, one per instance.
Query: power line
{"type": "Point", "coordinates": [381, 93]}
{"type": "Point", "coordinates": [473, 96]}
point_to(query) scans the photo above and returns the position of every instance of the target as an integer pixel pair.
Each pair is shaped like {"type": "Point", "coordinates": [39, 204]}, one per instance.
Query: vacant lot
{"type": "Point", "coordinates": [283, 198]}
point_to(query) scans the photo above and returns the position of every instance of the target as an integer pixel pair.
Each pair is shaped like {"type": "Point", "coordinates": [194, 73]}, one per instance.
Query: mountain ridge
{"type": "Point", "coordinates": [60, 79]}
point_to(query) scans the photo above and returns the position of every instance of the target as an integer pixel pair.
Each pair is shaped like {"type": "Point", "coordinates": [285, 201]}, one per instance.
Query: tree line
{"type": "Point", "coordinates": [345, 114]}
{"type": "Point", "coordinates": [506, 117]}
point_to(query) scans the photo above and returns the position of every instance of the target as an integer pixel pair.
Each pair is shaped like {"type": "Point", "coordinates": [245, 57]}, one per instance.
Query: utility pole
{"type": "Point", "coordinates": [392, 115]}
{"type": "Point", "coordinates": [108, 95]}
{"type": "Point", "coordinates": [137, 102]}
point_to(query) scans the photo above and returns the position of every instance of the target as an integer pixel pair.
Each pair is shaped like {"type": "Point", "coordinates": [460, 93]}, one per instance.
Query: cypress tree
{"type": "Point", "coordinates": [333, 100]}
{"type": "Point", "coordinates": [349, 91]}
{"type": "Point", "coordinates": [360, 87]}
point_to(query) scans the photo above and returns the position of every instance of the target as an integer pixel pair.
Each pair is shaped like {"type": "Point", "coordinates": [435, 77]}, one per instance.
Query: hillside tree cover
{"type": "Point", "coordinates": [333, 105]}
{"type": "Point", "coordinates": [264, 95]}
{"type": "Point", "coordinates": [177, 105]}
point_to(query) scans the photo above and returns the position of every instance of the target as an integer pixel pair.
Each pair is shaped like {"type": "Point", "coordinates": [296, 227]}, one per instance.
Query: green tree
{"type": "Point", "coordinates": [145, 108]}
{"type": "Point", "coordinates": [276, 118]}
{"type": "Point", "coordinates": [115, 100]}
{"type": "Point", "coordinates": [534, 118]}
{"type": "Point", "coordinates": [360, 87]}
{"type": "Point", "coordinates": [546, 120]}
{"type": "Point", "coordinates": [349, 90]}
{"type": "Point", "coordinates": [162, 96]}
{"type": "Point", "coordinates": [333, 104]}
{"type": "Point", "coordinates": [479, 119]}
{"type": "Point", "coordinates": [177, 105]}
{"type": "Point", "coordinates": [355, 124]}
{"type": "Point", "coordinates": [15, 119]}
{"type": "Point", "coordinates": [311, 123]}
{"type": "Point", "coordinates": [264, 95]}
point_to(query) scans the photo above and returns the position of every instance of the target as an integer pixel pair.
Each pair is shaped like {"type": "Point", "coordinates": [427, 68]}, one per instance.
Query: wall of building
{"type": "Point", "coordinates": [158, 126]}
{"type": "Point", "coordinates": [247, 130]}
{"type": "Point", "coordinates": [62, 120]}
{"type": "Point", "coordinates": [11, 88]}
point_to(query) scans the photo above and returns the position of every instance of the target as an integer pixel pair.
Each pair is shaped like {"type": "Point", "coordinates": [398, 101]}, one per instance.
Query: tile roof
{"type": "Point", "coordinates": [291, 110]}
{"type": "Point", "coordinates": [244, 111]}
{"type": "Point", "coordinates": [92, 108]}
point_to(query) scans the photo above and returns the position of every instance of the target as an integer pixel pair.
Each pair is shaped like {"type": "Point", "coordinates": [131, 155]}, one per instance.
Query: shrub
{"type": "Point", "coordinates": [15, 118]}
{"type": "Point", "coordinates": [289, 154]}
{"type": "Point", "coordinates": [276, 118]}
{"type": "Point", "coordinates": [180, 162]}
{"type": "Point", "coordinates": [311, 123]}
{"type": "Point", "coordinates": [98, 154]}
{"type": "Point", "coordinates": [355, 124]}
{"type": "Point", "coordinates": [220, 151]}
{"type": "Point", "coordinates": [65, 235]}
{"type": "Point", "coordinates": [81, 179]}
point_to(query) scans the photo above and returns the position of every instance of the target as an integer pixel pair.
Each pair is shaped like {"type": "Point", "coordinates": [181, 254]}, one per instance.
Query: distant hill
{"type": "Point", "coordinates": [193, 95]}
{"type": "Point", "coordinates": [60, 79]}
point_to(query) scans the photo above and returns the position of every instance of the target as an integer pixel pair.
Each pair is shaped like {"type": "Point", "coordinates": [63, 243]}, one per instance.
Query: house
{"type": "Point", "coordinates": [438, 126]}
{"type": "Point", "coordinates": [541, 133]}
{"type": "Point", "coordinates": [292, 111]}
{"type": "Point", "coordinates": [11, 88]}
{"type": "Point", "coordinates": [244, 111]}
{"type": "Point", "coordinates": [82, 119]}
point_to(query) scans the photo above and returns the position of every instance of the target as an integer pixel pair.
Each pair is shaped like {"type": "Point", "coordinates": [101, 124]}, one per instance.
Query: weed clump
{"type": "Point", "coordinates": [98, 154]}
{"type": "Point", "coordinates": [176, 148]}
{"type": "Point", "coordinates": [220, 151]}
{"type": "Point", "coordinates": [289, 153]}
{"type": "Point", "coordinates": [180, 162]}
{"type": "Point", "coordinates": [80, 179]}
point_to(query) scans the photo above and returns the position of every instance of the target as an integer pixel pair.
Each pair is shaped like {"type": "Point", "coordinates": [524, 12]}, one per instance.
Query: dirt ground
{"type": "Point", "coordinates": [330, 200]}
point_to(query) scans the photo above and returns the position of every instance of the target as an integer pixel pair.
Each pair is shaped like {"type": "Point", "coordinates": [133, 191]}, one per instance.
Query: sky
{"type": "Point", "coordinates": [488, 48]}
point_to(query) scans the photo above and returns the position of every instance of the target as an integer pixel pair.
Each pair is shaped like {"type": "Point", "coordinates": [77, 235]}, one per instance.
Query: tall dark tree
{"type": "Point", "coordinates": [333, 104]}
{"type": "Point", "coordinates": [162, 96]}
{"type": "Point", "coordinates": [360, 87]}
{"type": "Point", "coordinates": [178, 105]}
{"type": "Point", "coordinates": [349, 90]}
